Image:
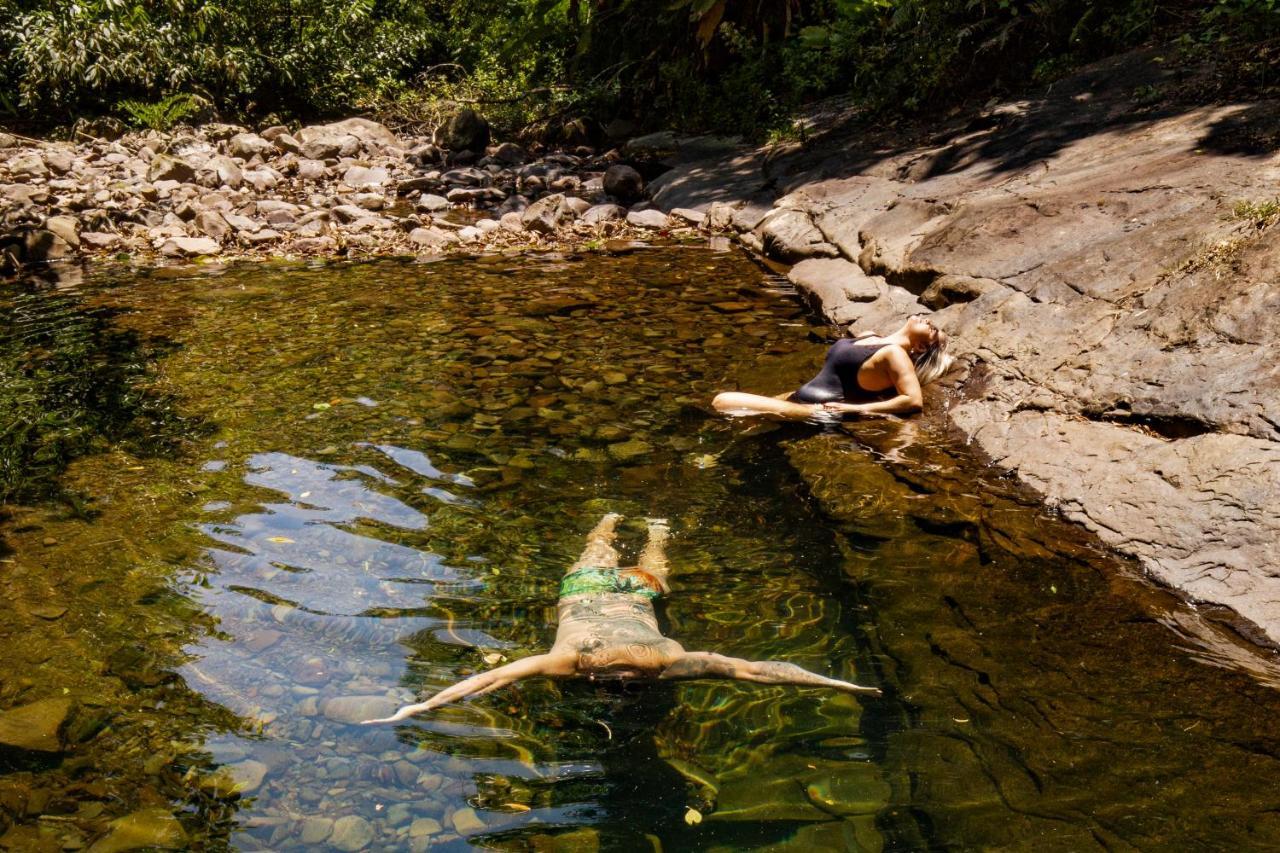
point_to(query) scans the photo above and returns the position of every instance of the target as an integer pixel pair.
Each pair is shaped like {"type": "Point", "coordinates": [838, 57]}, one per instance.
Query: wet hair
{"type": "Point", "coordinates": [933, 363]}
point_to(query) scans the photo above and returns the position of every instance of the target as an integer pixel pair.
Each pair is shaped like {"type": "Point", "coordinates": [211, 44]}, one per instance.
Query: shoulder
{"type": "Point", "coordinates": [895, 357]}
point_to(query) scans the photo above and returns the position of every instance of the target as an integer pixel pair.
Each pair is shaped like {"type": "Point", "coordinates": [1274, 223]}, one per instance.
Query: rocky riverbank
{"type": "Point", "coordinates": [347, 189]}
{"type": "Point", "coordinates": [1104, 257]}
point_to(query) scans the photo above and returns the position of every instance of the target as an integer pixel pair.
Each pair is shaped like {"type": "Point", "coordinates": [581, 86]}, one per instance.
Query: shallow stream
{"type": "Point", "coordinates": [250, 506]}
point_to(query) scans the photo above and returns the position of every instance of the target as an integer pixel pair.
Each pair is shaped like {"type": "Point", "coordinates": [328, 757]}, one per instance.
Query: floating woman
{"type": "Point", "coordinates": [857, 377]}
{"type": "Point", "coordinates": [608, 629]}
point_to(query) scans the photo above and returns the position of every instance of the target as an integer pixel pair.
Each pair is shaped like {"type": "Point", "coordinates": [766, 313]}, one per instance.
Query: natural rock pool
{"type": "Point", "coordinates": [249, 506]}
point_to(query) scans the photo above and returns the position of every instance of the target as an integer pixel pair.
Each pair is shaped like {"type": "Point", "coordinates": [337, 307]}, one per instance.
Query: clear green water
{"type": "Point", "coordinates": [260, 493]}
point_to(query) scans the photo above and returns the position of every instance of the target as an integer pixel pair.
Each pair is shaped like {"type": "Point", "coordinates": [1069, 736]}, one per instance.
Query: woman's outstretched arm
{"type": "Point", "coordinates": [484, 682]}
{"type": "Point", "coordinates": [712, 665]}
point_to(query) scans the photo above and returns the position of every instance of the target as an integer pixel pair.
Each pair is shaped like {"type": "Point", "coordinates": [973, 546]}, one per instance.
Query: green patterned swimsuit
{"type": "Point", "coordinates": [595, 579]}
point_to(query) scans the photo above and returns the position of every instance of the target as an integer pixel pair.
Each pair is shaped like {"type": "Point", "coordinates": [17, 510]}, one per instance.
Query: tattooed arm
{"type": "Point", "coordinates": [711, 665]}
{"type": "Point", "coordinates": [484, 682]}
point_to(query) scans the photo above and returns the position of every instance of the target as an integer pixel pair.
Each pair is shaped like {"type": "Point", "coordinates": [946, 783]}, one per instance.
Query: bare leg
{"type": "Point", "coordinates": [653, 559]}
{"type": "Point", "coordinates": [738, 403]}
{"type": "Point", "coordinates": [599, 551]}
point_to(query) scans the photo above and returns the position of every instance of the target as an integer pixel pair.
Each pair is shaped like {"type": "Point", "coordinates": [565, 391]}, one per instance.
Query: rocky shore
{"type": "Point", "coordinates": [347, 189]}
{"type": "Point", "coordinates": [1104, 257]}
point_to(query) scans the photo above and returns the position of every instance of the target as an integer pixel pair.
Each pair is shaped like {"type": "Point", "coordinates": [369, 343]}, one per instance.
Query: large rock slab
{"type": "Point", "coordinates": [1118, 318]}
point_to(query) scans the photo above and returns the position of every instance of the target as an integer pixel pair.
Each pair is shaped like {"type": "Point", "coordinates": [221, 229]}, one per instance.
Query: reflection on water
{"type": "Point", "coordinates": [395, 465]}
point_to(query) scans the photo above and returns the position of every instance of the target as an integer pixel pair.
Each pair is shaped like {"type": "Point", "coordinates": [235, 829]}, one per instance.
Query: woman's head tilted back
{"type": "Point", "coordinates": [928, 348]}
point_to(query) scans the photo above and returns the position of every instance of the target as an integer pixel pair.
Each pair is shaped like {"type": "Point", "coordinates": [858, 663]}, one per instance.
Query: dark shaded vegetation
{"type": "Point", "coordinates": [72, 383]}
{"type": "Point", "coordinates": [533, 65]}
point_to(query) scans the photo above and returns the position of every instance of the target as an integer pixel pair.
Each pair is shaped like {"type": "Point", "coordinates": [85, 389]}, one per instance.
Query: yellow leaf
{"type": "Point", "coordinates": [515, 807]}
{"type": "Point", "coordinates": [280, 539]}
{"type": "Point", "coordinates": [693, 817]}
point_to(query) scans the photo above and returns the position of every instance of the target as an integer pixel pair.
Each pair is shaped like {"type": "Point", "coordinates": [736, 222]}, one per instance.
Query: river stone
{"type": "Point", "coordinates": [212, 224]}
{"type": "Point", "coordinates": [36, 727]}
{"type": "Point", "coordinates": [248, 145]}
{"type": "Point", "coordinates": [28, 166]}
{"type": "Point", "coordinates": [189, 247]}
{"type": "Point", "coordinates": [66, 227]}
{"type": "Point", "coordinates": [424, 826]}
{"type": "Point", "coordinates": [146, 828]}
{"type": "Point", "coordinates": [510, 154]}
{"type": "Point", "coordinates": [40, 245]}
{"type": "Point", "coordinates": [467, 130]}
{"type": "Point", "coordinates": [351, 833]}
{"type": "Point", "coordinates": [624, 183]}
{"type": "Point", "coordinates": [375, 137]}
{"type": "Point", "coordinates": [363, 176]}
{"type": "Point", "coordinates": [432, 238]}
{"type": "Point", "coordinates": [835, 287]}
{"type": "Point", "coordinates": [59, 160]}
{"type": "Point", "coordinates": [168, 168]}
{"type": "Point", "coordinates": [315, 830]}
{"type": "Point", "coordinates": [647, 219]}
{"type": "Point", "coordinates": [597, 214]}
{"type": "Point", "coordinates": [849, 792]}
{"type": "Point", "coordinates": [355, 709]}
{"type": "Point", "coordinates": [99, 239]}
{"type": "Point", "coordinates": [312, 170]}
{"type": "Point", "coordinates": [228, 171]}
{"type": "Point", "coordinates": [466, 821]}
{"type": "Point", "coordinates": [547, 214]}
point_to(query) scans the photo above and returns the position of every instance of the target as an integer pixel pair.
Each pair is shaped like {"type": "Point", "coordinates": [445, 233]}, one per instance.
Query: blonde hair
{"type": "Point", "coordinates": [933, 363]}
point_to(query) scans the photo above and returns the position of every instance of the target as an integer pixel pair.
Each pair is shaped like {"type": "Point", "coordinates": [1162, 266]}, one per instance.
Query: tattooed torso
{"type": "Point", "coordinates": [613, 635]}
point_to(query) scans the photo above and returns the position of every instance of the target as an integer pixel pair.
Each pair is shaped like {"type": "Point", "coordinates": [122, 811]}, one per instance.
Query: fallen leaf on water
{"type": "Point", "coordinates": [515, 807]}
{"type": "Point", "coordinates": [280, 539]}
{"type": "Point", "coordinates": [319, 407]}
{"type": "Point", "coordinates": [693, 817]}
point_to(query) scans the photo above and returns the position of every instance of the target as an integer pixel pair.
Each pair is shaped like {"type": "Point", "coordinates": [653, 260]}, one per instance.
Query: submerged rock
{"type": "Point", "coordinates": [146, 828]}
{"type": "Point", "coordinates": [353, 709]}
{"type": "Point", "coordinates": [36, 727]}
{"type": "Point", "coordinates": [351, 833]}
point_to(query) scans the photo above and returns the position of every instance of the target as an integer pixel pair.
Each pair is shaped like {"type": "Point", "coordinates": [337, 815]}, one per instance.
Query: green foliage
{"type": "Point", "coordinates": [162, 114]}
{"type": "Point", "coordinates": [696, 64]}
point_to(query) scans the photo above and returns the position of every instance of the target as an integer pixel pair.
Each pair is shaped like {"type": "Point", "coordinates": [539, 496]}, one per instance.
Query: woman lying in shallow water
{"type": "Point", "coordinates": [608, 630]}
{"type": "Point", "coordinates": [857, 377]}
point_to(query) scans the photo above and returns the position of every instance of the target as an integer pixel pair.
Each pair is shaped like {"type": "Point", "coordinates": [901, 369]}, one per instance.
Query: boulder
{"type": "Point", "coordinates": [624, 183]}
{"type": "Point", "coordinates": [312, 170]}
{"type": "Point", "coordinates": [287, 144]}
{"type": "Point", "coordinates": [547, 214]}
{"type": "Point", "coordinates": [790, 236]}
{"type": "Point", "coordinates": [685, 216]}
{"type": "Point", "coordinates": [165, 167]}
{"type": "Point", "coordinates": [263, 178]}
{"type": "Point", "coordinates": [467, 130]}
{"type": "Point", "coordinates": [374, 137]}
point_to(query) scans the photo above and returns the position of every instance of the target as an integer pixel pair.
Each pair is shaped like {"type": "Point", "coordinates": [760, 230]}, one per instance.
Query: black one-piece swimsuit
{"type": "Point", "coordinates": [838, 379]}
